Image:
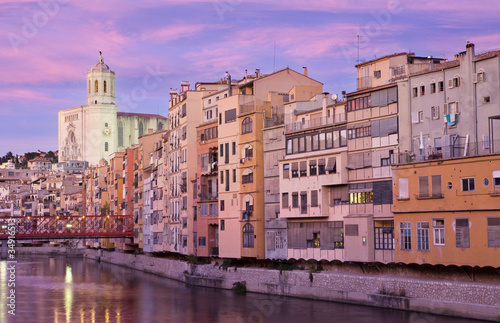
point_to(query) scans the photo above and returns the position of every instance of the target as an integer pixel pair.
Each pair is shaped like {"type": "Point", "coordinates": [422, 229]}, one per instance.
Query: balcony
{"type": "Point", "coordinates": [315, 123]}
{"type": "Point", "coordinates": [459, 148]}
{"type": "Point", "coordinates": [207, 197]}
{"type": "Point", "coordinates": [364, 82]}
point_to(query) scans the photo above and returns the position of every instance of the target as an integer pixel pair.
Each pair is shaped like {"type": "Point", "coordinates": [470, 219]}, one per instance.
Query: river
{"type": "Point", "coordinates": [58, 289]}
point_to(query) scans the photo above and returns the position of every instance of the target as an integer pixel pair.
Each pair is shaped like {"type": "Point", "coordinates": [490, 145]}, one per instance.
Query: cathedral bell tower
{"type": "Point", "coordinates": [100, 84]}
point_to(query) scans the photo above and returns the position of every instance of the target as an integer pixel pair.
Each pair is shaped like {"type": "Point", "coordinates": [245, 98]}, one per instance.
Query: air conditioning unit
{"type": "Point", "coordinates": [242, 160]}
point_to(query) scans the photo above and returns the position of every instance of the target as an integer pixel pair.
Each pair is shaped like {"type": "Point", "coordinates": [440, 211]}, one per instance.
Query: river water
{"type": "Point", "coordinates": [58, 289]}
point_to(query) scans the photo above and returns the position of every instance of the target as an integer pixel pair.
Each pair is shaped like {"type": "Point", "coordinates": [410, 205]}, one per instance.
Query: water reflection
{"type": "Point", "coordinates": [67, 290]}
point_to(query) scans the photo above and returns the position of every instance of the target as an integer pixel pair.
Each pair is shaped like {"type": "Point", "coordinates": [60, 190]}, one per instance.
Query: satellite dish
{"type": "Point", "coordinates": [334, 97]}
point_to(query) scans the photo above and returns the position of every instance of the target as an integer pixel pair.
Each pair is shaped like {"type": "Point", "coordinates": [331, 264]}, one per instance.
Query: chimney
{"type": "Point", "coordinates": [246, 74]}
{"type": "Point", "coordinates": [184, 86]}
{"type": "Point", "coordinates": [173, 94]}
{"type": "Point", "coordinates": [343, 95]}
{"type": "Point", "coordinates": [150, 131]}
{"type": "Point", "coordinates": [305, 70]}
{"type": "Point", "coordinates": [324, 113]}
{"type": "Point", "coordinates": [257, 73]}
{"type": "Point", "coordinates": [469, 49]}
{"type": "Point", "coordinates": [229, 87]}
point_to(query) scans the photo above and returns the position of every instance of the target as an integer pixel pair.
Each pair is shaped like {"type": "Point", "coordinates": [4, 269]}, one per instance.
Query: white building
{"type": "Point", "coordinates": [94, 131]}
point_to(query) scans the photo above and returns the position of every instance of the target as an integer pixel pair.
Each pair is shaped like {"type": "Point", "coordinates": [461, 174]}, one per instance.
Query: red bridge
{"type": "Point", "coordinates": [67, 227]}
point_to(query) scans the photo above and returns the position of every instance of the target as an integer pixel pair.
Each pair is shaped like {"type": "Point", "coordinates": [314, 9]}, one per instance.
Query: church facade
{"type": "Point", "coordinates": [93, 131]}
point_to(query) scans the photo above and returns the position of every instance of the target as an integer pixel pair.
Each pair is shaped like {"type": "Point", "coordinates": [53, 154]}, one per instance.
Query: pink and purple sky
{"type": "Point", "coordinates": [47, 46]}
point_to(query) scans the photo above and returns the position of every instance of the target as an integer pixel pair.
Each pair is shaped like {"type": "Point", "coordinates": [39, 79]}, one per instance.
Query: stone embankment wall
{"type": "Point", "coordinates": [455, 298]}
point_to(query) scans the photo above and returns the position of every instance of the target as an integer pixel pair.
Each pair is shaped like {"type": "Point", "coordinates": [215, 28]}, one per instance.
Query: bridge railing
{"type": "Point", "coordinates": [68, 227]}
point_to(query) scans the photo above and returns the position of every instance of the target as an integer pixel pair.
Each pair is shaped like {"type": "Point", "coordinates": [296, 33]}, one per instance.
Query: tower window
{"type": "Point", "coordinates": [106, 146]}
{"type": "Point", "coordinates": [89, 87]}
{"type": "Point", "coordinates": [96, 86]}
{"type": "Point", "coordinates": [105, 87]}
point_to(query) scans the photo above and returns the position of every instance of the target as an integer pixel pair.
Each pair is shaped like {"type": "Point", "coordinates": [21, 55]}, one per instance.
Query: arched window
{"type": "Point", "coordinates": [160, 125]}
{"type": "Point", "coordinates": [247, 176]}
{"type": "Point", "coordinates": [246, 125]}
{"type": "Point", "coordinates": [96, 86]}
{"type": "Point", "coordinates": [106, 146]}
{"type": "Point", "coordinates": [120, 134]}
{"type": "Point", "coordinates": [105, 87]}
{"type": "Point", "coordinates": [141, 129]}
{"type": "Point", "coordinates": [106, 124]}
{"type": "Point", "coordinates": [248, 236]}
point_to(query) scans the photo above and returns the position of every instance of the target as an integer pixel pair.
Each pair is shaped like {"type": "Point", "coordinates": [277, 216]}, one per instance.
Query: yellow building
{"type": "Point", "coordinates": [447, 211]}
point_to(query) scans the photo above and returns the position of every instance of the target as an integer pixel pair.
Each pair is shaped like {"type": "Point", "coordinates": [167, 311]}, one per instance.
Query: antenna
{"type": "Point", "coordinates": [274, 60]}
{"type": "Point", "coordinates": [358, 44]}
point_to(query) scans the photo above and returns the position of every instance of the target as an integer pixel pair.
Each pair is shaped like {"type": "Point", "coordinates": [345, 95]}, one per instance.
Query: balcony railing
{"type": "Point", "coordinates": [320, 122]}
{"type": "Point", "coordinates": [458, 148]}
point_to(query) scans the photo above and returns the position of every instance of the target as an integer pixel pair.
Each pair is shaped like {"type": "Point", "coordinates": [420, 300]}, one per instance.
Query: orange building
{"type": "Point", "coordinates": [447, 211]}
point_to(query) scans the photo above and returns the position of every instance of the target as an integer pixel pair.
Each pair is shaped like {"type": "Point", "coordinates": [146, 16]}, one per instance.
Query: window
{"type": "Point", "coordinates": [315, 241]}
{"type": "Point", "coordinates": [359, 103]}
{"type": "Point", "coordinates": [433, 87]}
{"type": "Point", "coordinates": [289, 147]}
{"type": "Point", "coordinates": [384, 235]}
{"type": "Point", "coordinates": [496, 178]}
{"type": "Point", "coordinates": [222, 177]}
{"type": "Point", "coordinates": [295, 169]}
{"type": "Point", "coordinates": [377, 74]}
{"type": "Point", "coordinates": [230, 115]}
{"type": "Point", "coordinates": [403, 188]}
{"type": "Point", "coordinates": [415, 92]}
{"type": "Point", "coordinates": [456, 81]}
{"type": "Point", "coordinates": [234, 147]}
{"type": "Point", "coordinates": [202, 241]}
{"type": "Point", "coordinates": [234, 175]}
{"type": "Point", "coordinates": [422, 90]}
{"type": "Point", "coordinates": [222, 205]}
{"type": "Point", "coordinates": [441, 86]}
{"type": "Point", "coordinates": [303, 168]}
{"type": "Point", "coordinates": [295, 200]}
{"type": "Point", "coordinates": [468, 184]}
{"type": "Point", "coordinates": [438, 226]}
{"type": "Point", "coordinates": [96, 86]}
{"type": "Point", "coordinates": [248, 236]}
{"type": "Point", "coordinates": [303, 202]}
{"type": "Point", "coordinates": [246, 125]}
{"type": "Point", "coordinates": [421, 116]}
{"type": "Point", "coordinates": [331, 166]}
{"type": "Point", "coordinates": [423, 186]}
{"type": "Point", "coordinates": [226, 160]}
{"type": "Point", "coordinates": [436, 186]}
{"type": "Point", "coordinates": [248, 178]}
{"type": "Point", "coordinates": [222, 225]}
{"type": "Point", "coordinates": [435, 112]}
{"type": "Point", "coordinates": [314, 198]}
{"type": "Point", "coordinates": [462, 233]}
{"type": "Point", "coordinates": [106, 146]}
{"type": "Point", "coordinates": [221, 150]}
{"type": "Point", "coordinates": [227, 180]}
{"type": "Point", "coordinates": [284, 200]}
{"type": "Point", "coordinates": [105, 87]}
{"type": "Point", "coordinates": [141, 129]}
{"type": "Point", "coordinates": [494, 232]}
{"type": "Point", "coordinates": [286, 170]}
{"type": "Point", "coordinates": [423, 236]}
{"type": "Point", "coordinates": [405, 235]}
{"type": "Point", "coordinates": [321, 166]}
{"type": "Point", "coordinates": [312, 168]}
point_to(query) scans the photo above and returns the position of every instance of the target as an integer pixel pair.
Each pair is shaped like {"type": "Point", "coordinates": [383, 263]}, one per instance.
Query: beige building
{"type": "Point", "coordinates": [241, 159]}
{"type": "Point", "coordinates": [314, 178]}
{"type": "Point", "coordinates": [185, 115]}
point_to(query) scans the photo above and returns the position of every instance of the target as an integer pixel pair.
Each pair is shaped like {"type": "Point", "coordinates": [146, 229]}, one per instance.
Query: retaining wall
{"type": "Point", "coordinates": [455, 298]}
